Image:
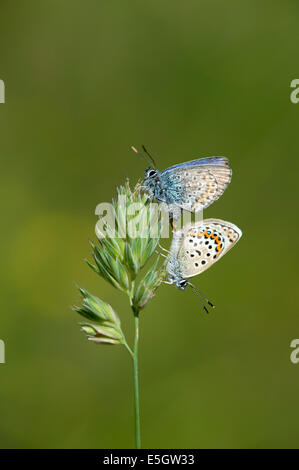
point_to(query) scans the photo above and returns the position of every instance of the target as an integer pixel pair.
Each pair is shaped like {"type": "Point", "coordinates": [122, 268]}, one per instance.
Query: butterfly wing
{"type": "Point", "coordinates": [218, 161]}
{"type": "Point", "coordinates": [199, 245]}
{"type": "Point", "coordinates": [195, 185]}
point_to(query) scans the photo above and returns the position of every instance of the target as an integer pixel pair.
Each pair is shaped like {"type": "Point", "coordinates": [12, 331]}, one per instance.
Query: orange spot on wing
{"type": "Point", "coordinates": [215, 237]}
{"type": "Point", "coordinates": [206, 234]}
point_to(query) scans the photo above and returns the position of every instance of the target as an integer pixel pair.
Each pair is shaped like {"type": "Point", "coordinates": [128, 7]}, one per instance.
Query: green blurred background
{"type": "Point", "coordinates": [84, 82]}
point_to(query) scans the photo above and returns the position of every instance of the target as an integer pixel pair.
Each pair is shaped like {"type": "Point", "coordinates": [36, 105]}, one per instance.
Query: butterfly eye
{"type": "Point", "coordinates": [151, 173]}
{"type": "Point", "coordinates": [183, 283]}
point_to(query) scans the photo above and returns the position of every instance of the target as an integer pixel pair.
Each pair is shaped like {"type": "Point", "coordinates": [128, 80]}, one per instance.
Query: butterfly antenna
{"type": "Point", "coordinates": [146, 157]}
{"type": "Point", "coordinates": [201, 301]}
{"type": "Point", "coordinates": [201, 296]}
{"type": "Point", "coordinates": [149, 155]}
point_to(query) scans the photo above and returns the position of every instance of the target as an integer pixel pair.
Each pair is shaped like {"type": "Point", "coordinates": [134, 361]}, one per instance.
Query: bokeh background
{"type": "Point", "coordinates": [84, 82]}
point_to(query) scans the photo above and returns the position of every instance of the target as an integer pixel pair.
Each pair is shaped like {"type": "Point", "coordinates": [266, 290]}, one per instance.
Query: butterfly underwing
{"type": "Point", "coordinates": [197, 247]}
{"type": "Point", "coordinates": [190, 186]}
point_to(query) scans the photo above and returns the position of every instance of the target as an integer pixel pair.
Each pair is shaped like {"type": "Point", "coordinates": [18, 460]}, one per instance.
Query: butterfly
{"type": "Point", "coordinates": [191, 186]}
{"type": "Point", "coordinates": [196, 248]}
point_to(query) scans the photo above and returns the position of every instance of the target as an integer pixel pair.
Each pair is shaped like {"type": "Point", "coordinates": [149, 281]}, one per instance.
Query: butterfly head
{"type": "Point", "coordinates": [181, 284]}
{"type": "Point", "coordinates": [151, 173]}
{"type": "Point", "coordinates": [177, 281]}
{"type": "Point", "coordinates": [152, 183]}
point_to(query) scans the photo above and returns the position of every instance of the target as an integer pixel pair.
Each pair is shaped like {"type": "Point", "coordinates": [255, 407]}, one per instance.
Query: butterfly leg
{"type": "Point", "coordinates": [161, 254]}
{"type": "Point", "coordinates": [162, 248]}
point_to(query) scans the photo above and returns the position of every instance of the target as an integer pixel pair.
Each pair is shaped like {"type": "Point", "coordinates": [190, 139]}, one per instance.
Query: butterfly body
{"type": "Point", "coordinates": [197, 247]}
{"type": "Point", "coordinates": [191, 186]}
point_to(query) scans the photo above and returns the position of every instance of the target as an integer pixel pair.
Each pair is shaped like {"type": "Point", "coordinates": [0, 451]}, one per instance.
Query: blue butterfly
{"type": "Point", "coordinates": [191, 186]}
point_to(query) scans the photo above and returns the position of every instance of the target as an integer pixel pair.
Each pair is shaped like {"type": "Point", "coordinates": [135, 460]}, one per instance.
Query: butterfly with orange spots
{"type": "Point", "coordinates": [197, 247]}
